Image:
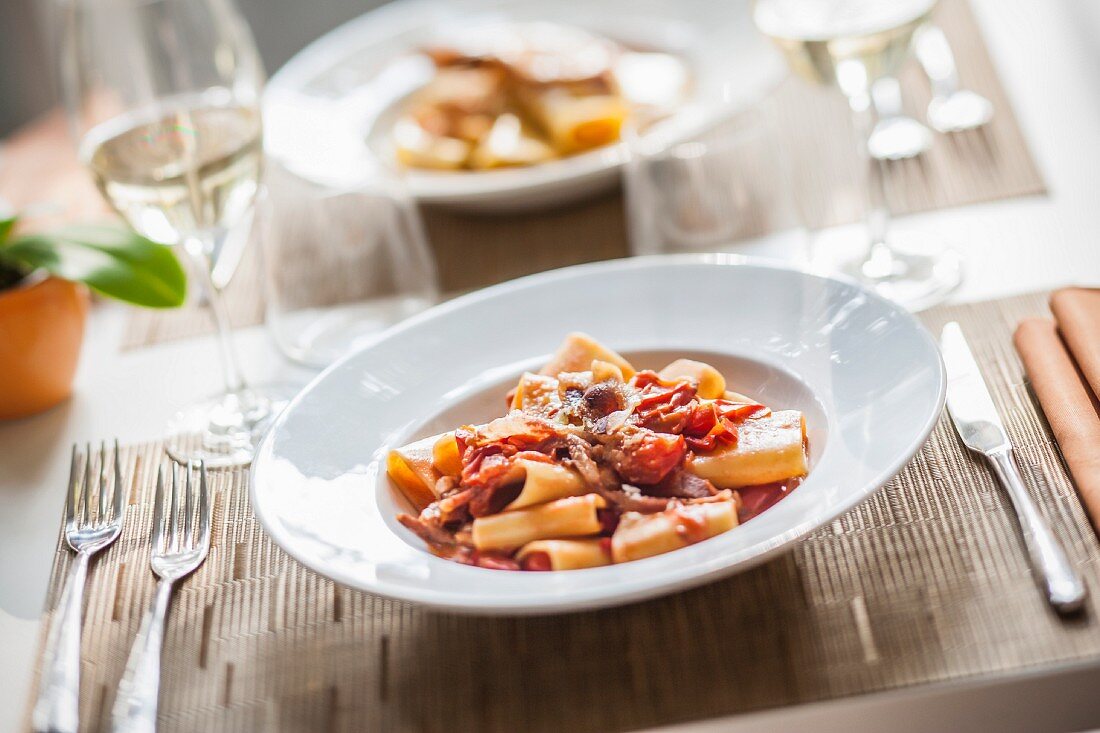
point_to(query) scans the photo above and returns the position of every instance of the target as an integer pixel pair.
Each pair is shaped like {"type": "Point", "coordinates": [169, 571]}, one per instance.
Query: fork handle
{"type": "Point", "coordinates": [57, 707]}
{"type": "Point", "coordinates": [135, 708]}
{"type": "Point", "coordinates": [1064, 588]}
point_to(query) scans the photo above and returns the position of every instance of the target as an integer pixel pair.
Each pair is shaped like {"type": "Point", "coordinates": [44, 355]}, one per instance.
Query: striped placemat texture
{"type": "Point", "coordinates": [477, 250]}
{"type": "Point", "coordinates": [925, 582]}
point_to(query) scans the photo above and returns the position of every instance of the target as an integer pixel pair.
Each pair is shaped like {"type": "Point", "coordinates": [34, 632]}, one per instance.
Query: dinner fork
{"type": "Point", "coordinates": [86, 533]}
{"type": "Point", "coordinates": [180, 543]}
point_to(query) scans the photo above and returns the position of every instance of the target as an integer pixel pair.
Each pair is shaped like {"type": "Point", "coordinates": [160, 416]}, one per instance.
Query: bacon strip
{"type": "Point", "coordinates": [603, 481]}
{"type": "Point", "coordinates": [681, 484]}
{"type": "Point", "coordinates": [434, 535]}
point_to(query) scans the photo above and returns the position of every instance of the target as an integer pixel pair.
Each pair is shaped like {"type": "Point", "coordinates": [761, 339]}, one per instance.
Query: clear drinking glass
{"type": "Point", "coordinates": [707, 181]}
{"type": "Point", "coordinates": [850, 44]}
{"type": "Point", "coordinates": [164, 98]}
{"type": "Point", "coordinates": [341, 264]}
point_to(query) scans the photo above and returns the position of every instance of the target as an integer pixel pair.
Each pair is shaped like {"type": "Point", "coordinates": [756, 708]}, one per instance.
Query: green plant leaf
{"type": "Point", "coordinates": [6, 226]}
{"type": "Point", "coordinates": [113, 261]}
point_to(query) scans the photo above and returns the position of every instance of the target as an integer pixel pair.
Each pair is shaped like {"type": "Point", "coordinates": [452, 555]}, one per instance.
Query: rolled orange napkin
{"type": "Point", "coordinates": [1069, 404]}
{"type": "Point", "coordinates": [1077, 311]}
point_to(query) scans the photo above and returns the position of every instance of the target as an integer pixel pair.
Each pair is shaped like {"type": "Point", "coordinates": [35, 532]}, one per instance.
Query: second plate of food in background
{"type": "Point", "coordinates": [344, 102]}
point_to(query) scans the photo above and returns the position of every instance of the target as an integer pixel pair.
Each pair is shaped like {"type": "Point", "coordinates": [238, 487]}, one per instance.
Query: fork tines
{"type": "Point", "coordinates": [90, 488]}
{"type": "Point", "coordinates": [185, 526]}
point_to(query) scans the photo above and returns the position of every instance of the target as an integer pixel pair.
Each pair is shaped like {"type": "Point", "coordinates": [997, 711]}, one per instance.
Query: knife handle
{"type": "Point", "coordinates": [1064, 588]}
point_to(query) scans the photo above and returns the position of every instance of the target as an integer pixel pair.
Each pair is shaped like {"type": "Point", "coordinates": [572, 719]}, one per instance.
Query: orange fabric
{"type": "Point", "coordinates": [1069, 404]}
{"type": "Point", "coordinates": [41, 329]}
{"type": "Point", "coordinates": [1077, 311]}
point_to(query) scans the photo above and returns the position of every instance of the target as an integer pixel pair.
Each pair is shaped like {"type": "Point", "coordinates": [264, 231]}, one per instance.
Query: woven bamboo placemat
{"type": "Point", "coordinates": [477, 250]}
{"type": "Point", "coordinates": [925, 582]}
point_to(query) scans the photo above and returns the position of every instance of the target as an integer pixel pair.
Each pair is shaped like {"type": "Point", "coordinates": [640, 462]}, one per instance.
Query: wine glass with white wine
{"type": "Point", "coordinates": [849, 44]}
{"type": "Point", "coordinates": [164, 97]}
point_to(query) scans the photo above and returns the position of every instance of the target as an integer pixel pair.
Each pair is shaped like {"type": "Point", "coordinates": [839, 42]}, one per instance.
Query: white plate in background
{"type": "Point", "coordinates": [866, 373]}
{"type": "Point", "coordinates": [330, 107]}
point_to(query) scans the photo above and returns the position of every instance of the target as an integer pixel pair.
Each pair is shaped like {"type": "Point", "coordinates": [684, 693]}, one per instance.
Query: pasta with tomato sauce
{"type": "Point", "coordinates": [598, 463]}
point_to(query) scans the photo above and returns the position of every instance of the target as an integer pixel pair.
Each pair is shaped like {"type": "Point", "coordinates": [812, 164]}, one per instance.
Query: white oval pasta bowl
{"type": "Point", "coordinates": [865, 372]}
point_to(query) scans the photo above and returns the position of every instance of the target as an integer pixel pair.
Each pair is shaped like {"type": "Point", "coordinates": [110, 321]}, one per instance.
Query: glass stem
{"type": "Point", "coordinates": [880, 262]}
{"type": "Point", "coordinates": [198, 249]}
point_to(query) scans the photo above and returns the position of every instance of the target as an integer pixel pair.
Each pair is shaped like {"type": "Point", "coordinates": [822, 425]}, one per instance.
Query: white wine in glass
{"type": "Point", "coordinates": [817, 36]}
{"type": "Point", "coordinates": [191, 169]}
{"type": "Point", "coordinates": [164, 96]}
{"type": "Point", "coordinates": [849, 44]}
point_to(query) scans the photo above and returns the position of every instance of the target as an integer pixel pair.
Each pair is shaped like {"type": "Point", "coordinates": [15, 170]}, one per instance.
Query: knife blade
{"type": "Point", "coordinates": [978, 423]}
{"type": "Point", "coordinates": [968, 400]}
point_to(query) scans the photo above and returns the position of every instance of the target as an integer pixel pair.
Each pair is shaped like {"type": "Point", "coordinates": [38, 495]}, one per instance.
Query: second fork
{"type": "Point", "coordinates": [180, 542]}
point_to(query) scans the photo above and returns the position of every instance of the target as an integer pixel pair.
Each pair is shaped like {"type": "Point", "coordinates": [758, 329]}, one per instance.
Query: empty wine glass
{"type": "Point", "coordinates": [374, 267]}
{"type": "Point", "coordinates": [164, 98]}
{"type": "Point", "coordinates": [710, 180]}
{"type": "Point", "coordinates": [851, 44]}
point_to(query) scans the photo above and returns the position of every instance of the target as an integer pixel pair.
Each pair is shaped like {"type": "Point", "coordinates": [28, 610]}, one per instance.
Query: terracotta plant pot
{"type": "Point", "coordinates": [41, 329]}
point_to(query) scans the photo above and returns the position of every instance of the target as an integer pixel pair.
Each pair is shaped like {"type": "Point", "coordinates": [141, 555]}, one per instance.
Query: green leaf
{"type": "Point", "coordinates": [113, 261]}
{"type": "Point", "coordinates": [6, 227]}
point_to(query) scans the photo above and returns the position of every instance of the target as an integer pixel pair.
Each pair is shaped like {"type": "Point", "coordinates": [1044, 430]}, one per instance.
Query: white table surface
{"type": "Point", "coordinates": [1049, 60]}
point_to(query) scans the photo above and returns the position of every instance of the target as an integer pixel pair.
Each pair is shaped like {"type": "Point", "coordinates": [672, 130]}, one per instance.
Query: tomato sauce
{"type": "Point", "coordinates": [537, 561]}
{"type": "Point", "coordinates": [758, 499]}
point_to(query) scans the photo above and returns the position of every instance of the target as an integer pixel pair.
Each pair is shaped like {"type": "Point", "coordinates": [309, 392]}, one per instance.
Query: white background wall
{"type": "Point", "coordinates": [27, 86]}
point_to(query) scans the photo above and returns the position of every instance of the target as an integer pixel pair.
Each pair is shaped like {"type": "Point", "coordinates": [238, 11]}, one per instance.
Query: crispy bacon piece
{"type": "Point", "coordinates": [493, 561]}
{"type": "Point", "coordinates": [603, 481]}
{"type": "Point", "coordinates": [493, 499]}
{"type": "Point", "coordinates": [489, 457]}
{"type": "Point", "coordinates": [486, 465]}
{"type": "Point", "coordinates": [520, 430]}
{"type": "Point", "coordinates": [581, 458]}
{"type": "Point", "coordinates": [481, 559]}
{"type": "Point", "coordinates": [446, 544]}
{"type": "Point", "coordinates": [490, 481]}
{"type": "Point", "coordinates": [454, 508]}
{"type": "Point", "coordinates": [681, 484]}
{"type": "Point", "coordinates": [433, 533]}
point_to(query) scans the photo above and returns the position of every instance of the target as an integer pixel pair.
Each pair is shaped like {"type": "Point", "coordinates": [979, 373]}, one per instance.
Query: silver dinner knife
{"type": "Point", "coordinates": [978, 424]}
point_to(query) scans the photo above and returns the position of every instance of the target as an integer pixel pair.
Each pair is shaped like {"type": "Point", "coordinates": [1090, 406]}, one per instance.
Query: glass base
{"type": "Point", "coordinates": [915, 270]}
{"type": "Point", "coordinates": [319, 336]}
{"type": "Point", "coordinates": [224, 430]}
